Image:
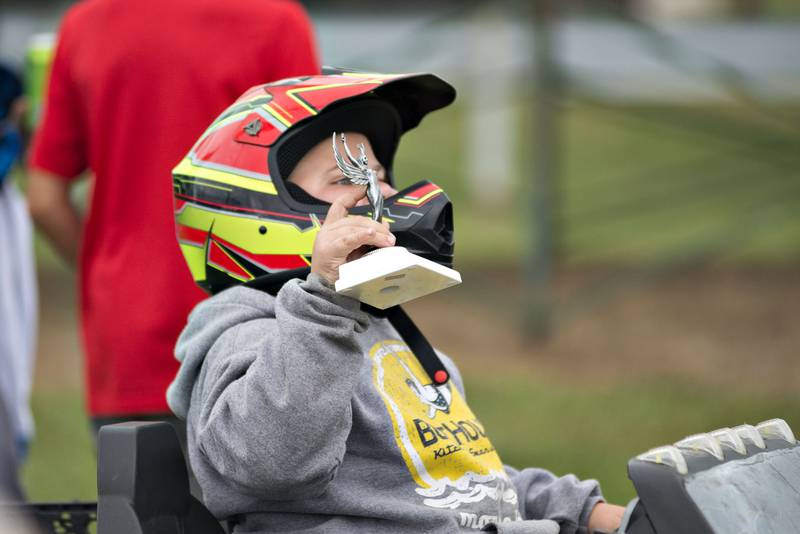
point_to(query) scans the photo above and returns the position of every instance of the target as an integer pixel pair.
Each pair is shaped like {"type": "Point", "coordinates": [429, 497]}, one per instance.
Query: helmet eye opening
{"type": "Point", "coordinates": [378, 120]}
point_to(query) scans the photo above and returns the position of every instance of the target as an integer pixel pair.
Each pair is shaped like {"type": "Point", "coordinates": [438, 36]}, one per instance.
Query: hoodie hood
{"type": "Point", "coordinates": [207, 323]}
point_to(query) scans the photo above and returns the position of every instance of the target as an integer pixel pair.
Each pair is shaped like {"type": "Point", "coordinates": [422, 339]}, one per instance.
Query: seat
{"type": "Point", "coordinates": [143, 485]}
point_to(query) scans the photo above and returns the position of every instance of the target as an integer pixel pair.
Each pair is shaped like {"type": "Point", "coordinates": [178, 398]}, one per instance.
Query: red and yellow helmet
{"type": "Point", "coordinates": [236, 219]}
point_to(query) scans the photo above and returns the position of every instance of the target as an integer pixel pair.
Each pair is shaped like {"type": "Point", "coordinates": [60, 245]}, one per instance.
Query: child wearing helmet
{"type": "Point", "coordinates": [306, 410]}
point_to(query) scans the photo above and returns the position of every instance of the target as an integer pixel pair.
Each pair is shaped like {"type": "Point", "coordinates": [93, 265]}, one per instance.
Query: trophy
{"type": "Point", "coordinates": [387, 276]}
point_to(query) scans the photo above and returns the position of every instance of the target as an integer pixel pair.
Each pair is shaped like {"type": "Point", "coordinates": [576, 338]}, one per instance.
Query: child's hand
{"type": "Point", "coordinates": [606, 517]}
{"type": "Point", "coordinates": [342, 238]}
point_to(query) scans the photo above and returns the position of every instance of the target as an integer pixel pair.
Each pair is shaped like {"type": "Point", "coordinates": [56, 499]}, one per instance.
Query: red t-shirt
{"type": "Point", "coordinates": [132, 87]}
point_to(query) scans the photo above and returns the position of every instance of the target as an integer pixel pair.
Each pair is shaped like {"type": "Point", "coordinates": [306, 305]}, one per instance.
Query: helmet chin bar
{"type": "Point", "coordinates": [431, 237]}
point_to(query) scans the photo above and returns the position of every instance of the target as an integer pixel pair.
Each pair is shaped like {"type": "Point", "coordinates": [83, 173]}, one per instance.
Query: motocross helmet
{"type": "Point", "coordinates": [238, 219]}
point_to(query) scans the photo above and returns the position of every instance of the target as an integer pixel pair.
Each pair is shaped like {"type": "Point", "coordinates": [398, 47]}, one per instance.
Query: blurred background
{"type": "Point", "coordinates": [626, 178]}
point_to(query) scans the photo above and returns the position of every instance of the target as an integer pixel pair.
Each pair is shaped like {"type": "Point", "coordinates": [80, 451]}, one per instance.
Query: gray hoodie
{"type": "Point", "coordinates": [304, 413]}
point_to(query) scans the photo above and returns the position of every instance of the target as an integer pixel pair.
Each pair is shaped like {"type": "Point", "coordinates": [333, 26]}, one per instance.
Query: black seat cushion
{"type": "Point", "coordinates": [143, 485]}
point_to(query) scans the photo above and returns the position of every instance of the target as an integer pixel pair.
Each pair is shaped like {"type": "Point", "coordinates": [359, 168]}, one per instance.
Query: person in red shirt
{"type": "Point", "coordinates": [133, 84]}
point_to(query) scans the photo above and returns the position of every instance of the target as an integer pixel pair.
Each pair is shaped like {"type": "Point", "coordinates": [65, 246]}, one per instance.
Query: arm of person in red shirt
{"type": "Point", "coordinates": [53, 212]}
{"type": "Point", "coordinates": [58, 153]}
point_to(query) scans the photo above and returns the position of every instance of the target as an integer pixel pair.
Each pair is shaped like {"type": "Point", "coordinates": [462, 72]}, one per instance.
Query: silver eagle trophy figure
{"type": "Point", "coordinates": [386, 276]}
{"type": "Point", "coordinates": [359, 173]}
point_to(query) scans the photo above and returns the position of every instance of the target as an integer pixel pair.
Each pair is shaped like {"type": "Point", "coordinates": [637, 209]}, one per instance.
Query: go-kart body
{"type": "Point", "coordinates": [744, 480]}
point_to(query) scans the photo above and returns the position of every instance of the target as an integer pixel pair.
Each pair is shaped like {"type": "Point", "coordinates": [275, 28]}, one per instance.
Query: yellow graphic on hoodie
{"type": "Point", "coordinates": [443, 444]}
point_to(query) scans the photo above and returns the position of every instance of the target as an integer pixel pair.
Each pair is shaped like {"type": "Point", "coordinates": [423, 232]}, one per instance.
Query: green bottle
{"type": "Point", "coordinates": [38, 59]}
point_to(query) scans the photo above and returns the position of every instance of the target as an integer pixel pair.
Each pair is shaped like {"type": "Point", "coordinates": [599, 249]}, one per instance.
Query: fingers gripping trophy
{"type": "Point", "coordinates": [387, 276]}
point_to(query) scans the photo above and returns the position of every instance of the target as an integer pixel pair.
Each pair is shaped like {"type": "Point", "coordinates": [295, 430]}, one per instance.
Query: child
{"type": "Point", "coordinates": [307, 411]}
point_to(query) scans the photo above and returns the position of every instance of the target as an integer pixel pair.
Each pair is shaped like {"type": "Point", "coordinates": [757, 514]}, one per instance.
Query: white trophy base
{"type": "Point", "coordinates": [390, 276]}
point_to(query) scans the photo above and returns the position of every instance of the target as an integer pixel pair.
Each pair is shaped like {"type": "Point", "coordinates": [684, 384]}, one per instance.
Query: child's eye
{"type": "Point", "coordinates": [343, 181]}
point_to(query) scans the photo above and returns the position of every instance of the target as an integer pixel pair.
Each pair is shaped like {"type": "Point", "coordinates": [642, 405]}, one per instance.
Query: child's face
{"type": "Point", "coordinates": [319, 176]}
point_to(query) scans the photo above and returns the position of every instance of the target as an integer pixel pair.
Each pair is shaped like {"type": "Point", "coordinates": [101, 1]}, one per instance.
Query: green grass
{"type": "Point", "coordinates": [782, 9]}
{"type": "Point", "coordinates": [637, 184]}
{"type": "Point", "coordinates": [61, 463]}
{"type": "Point", "coordinates": [567, 428]}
